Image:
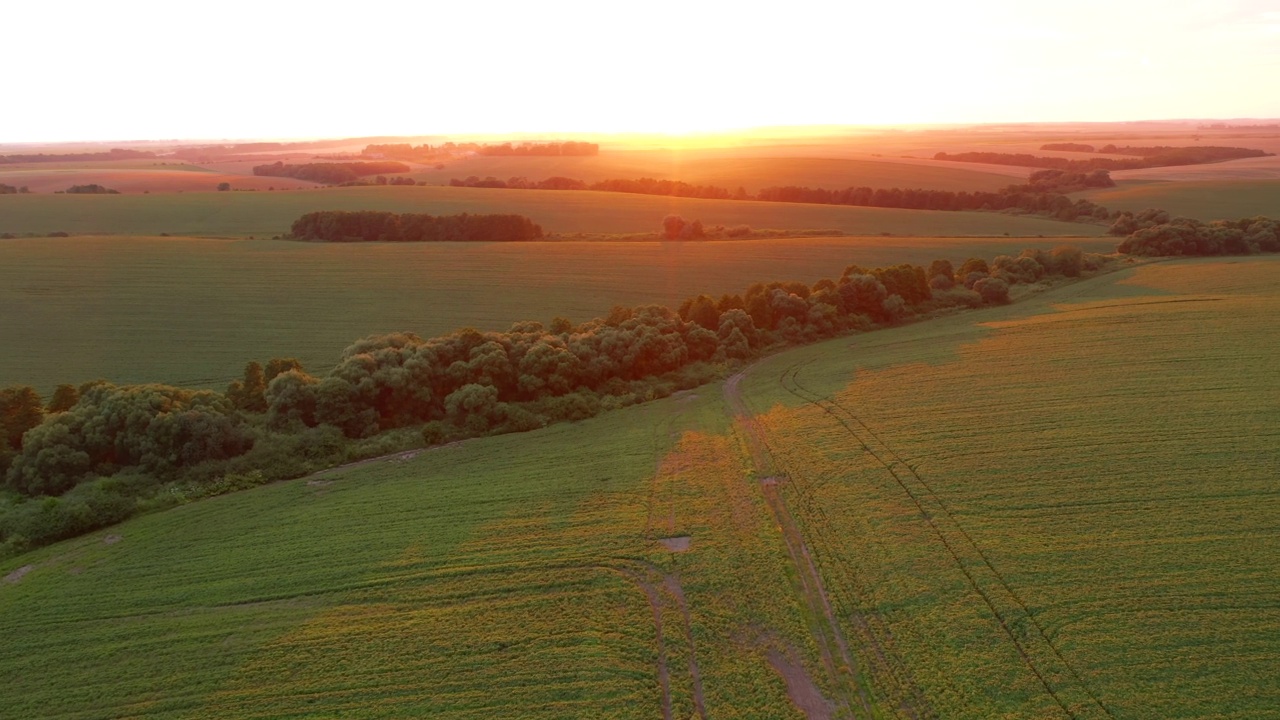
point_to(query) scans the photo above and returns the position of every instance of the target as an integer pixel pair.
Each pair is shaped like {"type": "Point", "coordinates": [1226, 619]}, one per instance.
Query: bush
{"type": "Point", "coordinates": [993, 291]}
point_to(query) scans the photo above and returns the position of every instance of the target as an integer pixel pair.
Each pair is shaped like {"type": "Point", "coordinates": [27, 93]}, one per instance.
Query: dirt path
{"type": "Point", "coordinates": [841, 669]}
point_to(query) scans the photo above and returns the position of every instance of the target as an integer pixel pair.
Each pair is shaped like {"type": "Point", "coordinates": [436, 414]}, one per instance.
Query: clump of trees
{"type": "Point", "coordinates": [330, 173]}
{"type": "Point", "coordinates": [1155, 234]}
{"type": "Point", "coordinates": [379, 226]}
{"type": "Point", "coordinates": [90, 189]}
{"type": "Point", "coordinates": [12, 189]}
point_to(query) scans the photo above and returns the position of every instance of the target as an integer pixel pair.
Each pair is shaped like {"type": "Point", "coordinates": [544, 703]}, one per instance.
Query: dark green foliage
{"type": "Point", "coordinates": [1183, 236]}
{"type": "Point", "coordinates": [377, 226]}
{"type": "Point", "coordinates": [158, 428]}
{"type": "Point", "coordinates": [64, 398]}
{"type": "Point", "coordinates": [993, 291]}
{"type": "Point", "coordinates": [249, 394]}
{"type": "Point", "coordinates": [276, 366]}
{"type": "Point", "coordinates": [90, 189]}
{"type": "Point", "coordinates": [224, 186]}
{"type": "Point", "coordinates": [20, 410]}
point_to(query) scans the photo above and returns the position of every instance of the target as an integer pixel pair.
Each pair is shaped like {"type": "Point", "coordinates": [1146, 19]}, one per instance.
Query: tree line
{"type": "Point", "coordinates": [381, 226]}
{"type": "Point", "coordinates": [330, 173]}
{"type": "Point", "coordinates": [1148, 157]}
{"type": "Point", "coordinates": [1043, 193]}
{"type": "Point", "coordinates": [112, 154]}
{"type": "Point", "coordinates": [13, 189]}
{"type": "Point", "coordinates": [428, 153]}
{"type": "Point", "coordinates": [100, 452]}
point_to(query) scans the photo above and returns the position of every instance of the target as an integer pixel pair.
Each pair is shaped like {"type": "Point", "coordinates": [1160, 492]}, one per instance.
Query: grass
{"type": "Point", "coordinates": [266, 214]}
{"type": "Point", "coordinates": [192, 312]}
{"type": "Point", "coordinates": [1212, 200]}
{"type": "Point", "coordinates": [1064, 503]}
{"type": "Point", "coordinates": [500, 578]}
{"type": "Point", "coordinates": [1067, 509]}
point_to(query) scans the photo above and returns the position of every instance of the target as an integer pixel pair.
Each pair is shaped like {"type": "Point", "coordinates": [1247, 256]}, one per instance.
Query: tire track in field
{"type": "Point", "coordinates": [836, 410]}
{"type": "Point", "coordinates": [885, 667]}
{"type": "Point", "coordinates": [659, 589]}
{"type": "Point", "coordinates": [842, 671]}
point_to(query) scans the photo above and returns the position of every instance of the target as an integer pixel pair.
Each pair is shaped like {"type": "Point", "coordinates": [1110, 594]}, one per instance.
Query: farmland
{"type": "Point", "coordinates": [193, 311]}
{"type": "Point", "coordinates": [752, 169]}
{"type": "Point", "coordinates": [1203, 200]}
{"type": "Point", "coordinates": [1057, 508]}
{"type": "Point", "coordinates": [266, 214]}
{"type": "Point", "coordinates": [1061, 513]}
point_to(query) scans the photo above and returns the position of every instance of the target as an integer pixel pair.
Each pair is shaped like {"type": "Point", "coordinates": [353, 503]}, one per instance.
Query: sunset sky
{"type": "Point", "coordinates": [232, 69]}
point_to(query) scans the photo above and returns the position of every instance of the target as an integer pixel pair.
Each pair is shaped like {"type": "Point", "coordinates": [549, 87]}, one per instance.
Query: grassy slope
{"type": "Point", "coordinates": [193, 312]}
{"type": "Point", "coordinates": [505, 576]}
{"type": "Point", "coordinates": [1104, 474]}
{"type": "Point", "coordinates": [1211, 200]}
{"type": "Point", "coordinates": [499, 578]}
{"type": "Point", "coordinates": [241, 214]}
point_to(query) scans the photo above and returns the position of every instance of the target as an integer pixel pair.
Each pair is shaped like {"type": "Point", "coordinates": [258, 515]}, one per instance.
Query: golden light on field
{"type": "Point", "coordinates": [289, 69]}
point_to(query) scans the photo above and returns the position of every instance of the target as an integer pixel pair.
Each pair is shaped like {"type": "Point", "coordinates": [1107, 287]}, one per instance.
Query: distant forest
{"type": "Point", "coordinates": [112, 154]}
{"type": "Point", "coordinates": [1147, 157]}
{"type": "Point", "coordinates": [330, 173]}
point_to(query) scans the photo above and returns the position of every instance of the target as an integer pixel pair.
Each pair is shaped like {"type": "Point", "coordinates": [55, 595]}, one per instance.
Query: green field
{"type": "Point", "coordinates": [193, 312]}
{"type": "Point", "coordinates": [1213, 200]}
{"type": "Point", "coordinates": [266, 214]}
{"type": "Point", "coordinates": [1059, 508]}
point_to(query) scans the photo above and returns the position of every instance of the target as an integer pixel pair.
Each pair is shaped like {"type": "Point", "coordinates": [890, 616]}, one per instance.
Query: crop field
{"type": "Point", "coordinates": [1063, 514]}
{"type": "Point", "coordinates": [266, 214]}
{"type": "Point", "coordinates": [193, 311]}
{"type": "Point", "coordinates": [521, 576]}
{"type": "Point", "coordinates": [1203, 200]}
{"type": "Point", "coordinates": [1060, 508]}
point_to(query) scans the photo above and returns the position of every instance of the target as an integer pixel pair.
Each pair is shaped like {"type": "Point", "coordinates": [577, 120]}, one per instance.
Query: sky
{"type": "Point", "coordinates": [134, 70]}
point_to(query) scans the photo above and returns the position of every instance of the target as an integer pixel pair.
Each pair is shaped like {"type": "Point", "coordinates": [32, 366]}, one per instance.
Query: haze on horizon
{"type": "Point", "coordinates": [135, 70]}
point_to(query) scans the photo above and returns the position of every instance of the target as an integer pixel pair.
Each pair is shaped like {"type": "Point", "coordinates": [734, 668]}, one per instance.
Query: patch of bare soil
{"type": "Point", "coordinates": [112, 539]}
{"type": "Point", "coordinates": [14, 577]}
{"type": "Point", "coordinates": [800, 688]}
{"type": "Point", "coordinates": [676, 544]}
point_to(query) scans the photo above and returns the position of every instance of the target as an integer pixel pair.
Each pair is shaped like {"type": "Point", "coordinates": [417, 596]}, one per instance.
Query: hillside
{"type": "Point", "coordinates": [989, 514]}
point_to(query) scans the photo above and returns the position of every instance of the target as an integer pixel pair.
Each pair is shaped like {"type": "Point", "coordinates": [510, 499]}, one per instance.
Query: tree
{"type": "Point", "coordinates": [64, 398]}
{"type": "Point", "coordinates": [249, 394]}
{"type": "Point", "coordinates": [224, 186]}
{"type": "Point", "coordinates": [20, 410]}
{"type": "Point", "coordinates": [994, 291]}
{"type": "Point", "coordinates": [672, 225]}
